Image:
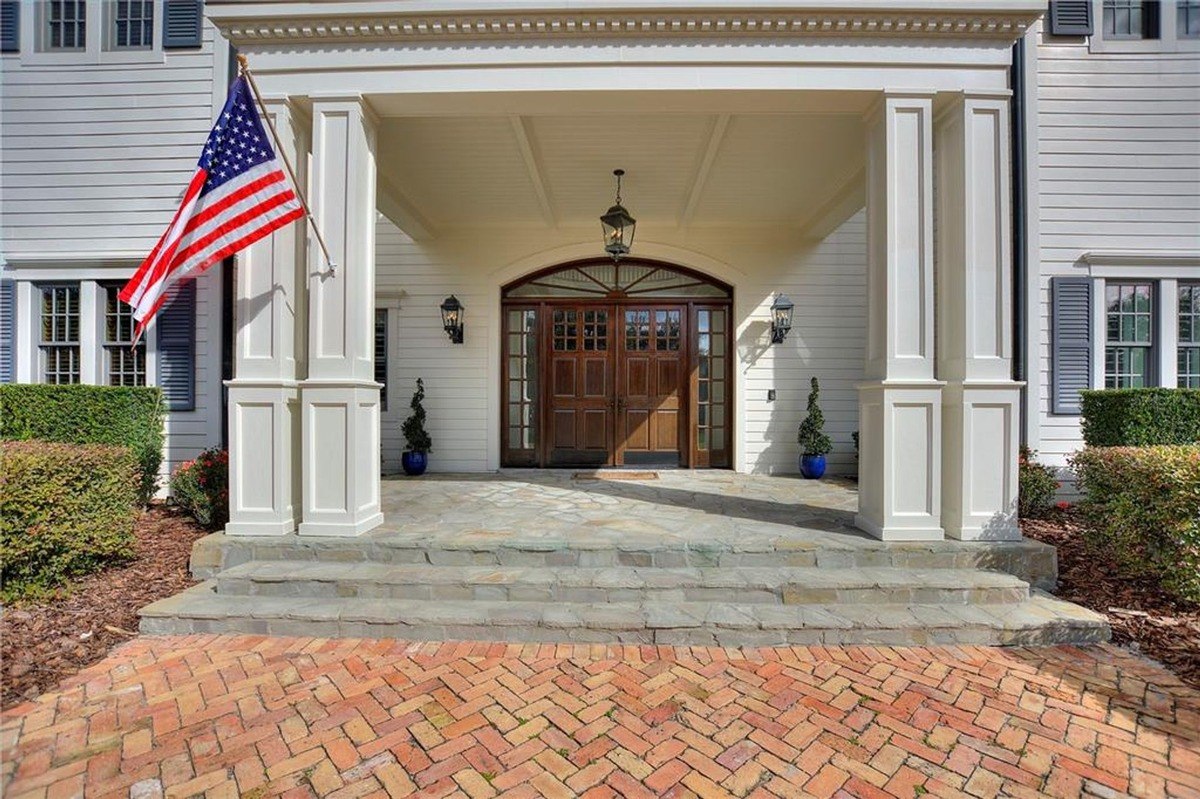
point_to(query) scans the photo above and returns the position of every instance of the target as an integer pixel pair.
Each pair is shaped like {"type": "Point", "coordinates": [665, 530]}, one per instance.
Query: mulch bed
{"type": "Point", "coordinates": [1141, 614]}
{"type": "Point", "coordinates": [43, 642]}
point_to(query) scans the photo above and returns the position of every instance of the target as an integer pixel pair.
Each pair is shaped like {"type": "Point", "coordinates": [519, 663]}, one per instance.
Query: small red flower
{"type": "Point", "coordinates": [1063, 505]}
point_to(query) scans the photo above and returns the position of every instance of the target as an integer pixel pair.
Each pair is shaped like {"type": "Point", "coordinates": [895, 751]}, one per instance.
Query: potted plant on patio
{"type": "Point", "coordinates": [416, 457]}
{"type": "Point", "coordinates": [814, 444]}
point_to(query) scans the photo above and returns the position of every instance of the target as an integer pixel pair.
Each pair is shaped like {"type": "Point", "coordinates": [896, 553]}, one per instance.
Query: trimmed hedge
{"type": "Point", "coordinates": [1143, 505]}
{"type": "Point", "coordinates": [123, 416]}
{"type": "Point", "coordinates": [1140, 417]}
{"type": "Point", "coordinates": [65, 509]}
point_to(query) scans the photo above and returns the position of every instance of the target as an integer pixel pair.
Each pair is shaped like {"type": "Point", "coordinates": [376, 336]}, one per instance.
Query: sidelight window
{"type": "Point", "coordinates": [712, 341]}
{"type": "Point", "coordinates": [522, 389]}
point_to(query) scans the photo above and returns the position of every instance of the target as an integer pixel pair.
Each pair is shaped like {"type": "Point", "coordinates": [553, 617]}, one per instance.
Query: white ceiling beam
{"type": "Point", "coordinates": [849, 196]}
{"type": "Point", "coordinates": [716, 133]}
{"type": "Point", "coordinates": [392, 203]}
{"type": "Point", "coordinates": [527, 144]}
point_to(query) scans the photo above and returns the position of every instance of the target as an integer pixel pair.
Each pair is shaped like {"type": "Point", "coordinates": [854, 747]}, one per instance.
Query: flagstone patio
{"type": "Point", "coordinates": [669, 557]}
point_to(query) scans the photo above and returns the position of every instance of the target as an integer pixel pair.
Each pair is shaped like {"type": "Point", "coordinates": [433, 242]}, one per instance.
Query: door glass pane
{"type": "Point", "coordinates": [521, 336]}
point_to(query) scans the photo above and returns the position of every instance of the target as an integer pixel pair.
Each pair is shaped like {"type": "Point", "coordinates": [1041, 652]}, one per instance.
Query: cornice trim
{"type": "Point", "coordinates": [280, 27]}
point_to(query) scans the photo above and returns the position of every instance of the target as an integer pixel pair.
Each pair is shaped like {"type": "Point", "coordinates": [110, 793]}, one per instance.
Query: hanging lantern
{"type": "Point", "coordinates": [618, 225]}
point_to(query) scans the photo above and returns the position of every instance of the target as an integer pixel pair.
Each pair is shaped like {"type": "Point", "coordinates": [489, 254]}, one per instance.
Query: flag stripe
{"type": "Point", "coordinates": [191, 254]}
{"type": "Point", "coordinates": [286, 216]}
{"type": "Point", "coordinates": [238, 195]}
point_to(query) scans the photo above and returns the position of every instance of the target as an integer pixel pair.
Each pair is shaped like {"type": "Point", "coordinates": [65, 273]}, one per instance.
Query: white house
{"type": "Point", "coordinates": [976, 207]}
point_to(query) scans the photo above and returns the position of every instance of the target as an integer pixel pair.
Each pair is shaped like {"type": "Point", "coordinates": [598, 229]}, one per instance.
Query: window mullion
{"type": "Point", "coordinates": [90, 318]}
{"type": "Point", "coordinates": [1166, 340]}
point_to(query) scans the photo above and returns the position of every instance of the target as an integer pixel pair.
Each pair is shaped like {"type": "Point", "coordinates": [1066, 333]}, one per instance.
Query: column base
{"type": "Point", "coordinates": [981, 451]}
{"type": "Point", "coordinates": [900, 460]}
{"type": "Point", "coordinates": [340, 427]}
{"type": "Point", "coordinates": [264, 433]}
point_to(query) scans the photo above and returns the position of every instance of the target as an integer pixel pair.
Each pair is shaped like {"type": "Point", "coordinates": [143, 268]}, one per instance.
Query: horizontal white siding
{"type": "Point", "coordinates": [93, 161]}
{"type": "Point", "coordinates": [1119, 169]}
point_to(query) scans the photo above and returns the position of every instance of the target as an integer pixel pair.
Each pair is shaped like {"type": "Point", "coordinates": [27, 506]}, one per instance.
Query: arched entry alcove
{"type": "Point", "coordinates": [616, 364]}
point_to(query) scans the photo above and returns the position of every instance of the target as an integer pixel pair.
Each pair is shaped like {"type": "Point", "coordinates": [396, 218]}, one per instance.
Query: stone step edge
{"type": "Point", "coordinates": [616, 584]}
{"type": "Point", "coordinates": [201, 603]}
{"type": "Point", "coordinates": [1029, 560]}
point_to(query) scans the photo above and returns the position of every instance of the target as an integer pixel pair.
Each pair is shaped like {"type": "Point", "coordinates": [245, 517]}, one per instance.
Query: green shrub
{"type": "Point", "coordinates": [1036, 485]}
{"type": "Point", "coordinates": [125, 416]}
{"type": "Point", "coordinates": [1139, 417]}
{"type": "Point", "coordinates": [811, 435]}
{"type": "Point", "coordinates": [1142, 504]}
{"type": "Point", "coordinates": [415, 434]}
{"type": "Point", "coordinates": [201, 487]}
{"type": "Point", "coordinates": [65, 509]}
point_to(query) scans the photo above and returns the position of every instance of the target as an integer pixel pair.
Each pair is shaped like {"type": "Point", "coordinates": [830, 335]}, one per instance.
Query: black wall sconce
{"type": "Point", "coordinates": [781, 318]}
{"type": "Point", "coordinates": [452, 319]}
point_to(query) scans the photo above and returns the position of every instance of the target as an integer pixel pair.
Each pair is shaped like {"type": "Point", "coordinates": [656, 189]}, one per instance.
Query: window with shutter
{"type": "Point", "coordinates": [1070, 17]}
{"type": "Point", "coordinates": [183, 23]}
{"type": "Point", "coordinates": [8, 329]}
{"type": "Point", "coordinates": [10, 26]}
{"type": "Point", "coordinates": [1071, 342]}
{"type": "Point", "coordinates": [176, 323]}
{"type": "Point", "coordinates": [381, 368]}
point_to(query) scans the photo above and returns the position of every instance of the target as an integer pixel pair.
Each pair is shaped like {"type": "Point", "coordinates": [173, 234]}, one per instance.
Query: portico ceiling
{"type": "Point", "coordinates": [682, 169]}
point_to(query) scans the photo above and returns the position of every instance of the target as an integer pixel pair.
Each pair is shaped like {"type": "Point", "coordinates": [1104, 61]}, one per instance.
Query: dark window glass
{"type": "Point", "coordinates": [126, 361]}
{"type": "Point", "coordinates": [1131, 19]}
{"type": "Point", "coordinates": [381, 364]}
{"type": "Point", "coordinates": [59, 341]}
{"type": "Point", "coordinates": [133, 23]}
{"type": "Point", "coordinates": [1129, 315]}
{"type": "Point", "coordinates": [66, 24]}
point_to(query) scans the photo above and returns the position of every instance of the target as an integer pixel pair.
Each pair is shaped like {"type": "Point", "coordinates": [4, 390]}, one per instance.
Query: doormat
{"type": "Point", "coordinates": [614, 474]}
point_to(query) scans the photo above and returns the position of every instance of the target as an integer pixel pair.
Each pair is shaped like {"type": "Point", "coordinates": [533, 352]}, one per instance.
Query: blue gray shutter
{"type": "Point", "coordinates": [176, 324]}
{"type": "Point", "coordinates": [8, 330]}
{"type": "Point", "coordinates": [1070, 342]}
{"type": "Point", "coordinates": [183, 23]}
{"type": "Point", "coordinates": [1070, 18]}
{"type": "Point", "coordinates": [10, 26]}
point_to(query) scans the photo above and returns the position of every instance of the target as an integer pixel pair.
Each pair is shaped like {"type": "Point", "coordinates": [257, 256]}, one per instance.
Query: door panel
{"type": "Point", "coordinates": [582, 399]}
{"type": "Point", "coordinates": [650, 395]}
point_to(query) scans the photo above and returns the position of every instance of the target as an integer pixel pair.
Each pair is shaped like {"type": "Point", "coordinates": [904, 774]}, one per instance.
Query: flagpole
{"type": "Point", "coordinates": [244, 69]}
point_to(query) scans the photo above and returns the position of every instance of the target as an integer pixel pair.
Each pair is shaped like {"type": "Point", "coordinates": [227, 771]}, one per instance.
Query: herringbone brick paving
{"type": "Point", "coordinates": [224, 716]}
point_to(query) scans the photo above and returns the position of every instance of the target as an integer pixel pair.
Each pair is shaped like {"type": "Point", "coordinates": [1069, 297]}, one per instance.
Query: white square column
{"type": "Point", "coordinates": [340, 398]}
{"type": "Point", "coordinates": [264, 399]}
{"type": "Point", "coordinates": [900, 404]}
{"type": "Point", "coordinates": [981, 402]}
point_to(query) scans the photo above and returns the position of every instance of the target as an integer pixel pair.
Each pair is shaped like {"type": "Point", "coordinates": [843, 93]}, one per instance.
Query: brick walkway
{"type": "Point", "coordinates": [256, 717]}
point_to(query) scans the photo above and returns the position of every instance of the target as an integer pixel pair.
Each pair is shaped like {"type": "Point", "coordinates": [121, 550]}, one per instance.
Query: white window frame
{"type": "Point", "coordinates": [39, 362]}
{"type": "Point", "coordinates": [92, 365]}
{"type": "Point", "coordinates": [1165, 270]}
{"type": "Point", "coordinates": [1167, 42]}
{"type": "Point", "coordinates": [99, 49]}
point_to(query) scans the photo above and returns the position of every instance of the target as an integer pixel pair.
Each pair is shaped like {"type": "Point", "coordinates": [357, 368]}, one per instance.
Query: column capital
{"type": "Point", "coordinates": [333, 103]}
{"type": "Point", "coordinates": [896, 99]}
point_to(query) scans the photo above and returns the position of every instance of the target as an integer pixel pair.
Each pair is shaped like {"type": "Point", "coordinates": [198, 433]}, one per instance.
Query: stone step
{"type": "Point", "coordinates": [743, 585]}
{"type": "Point", "coordinates": [1040, 620]}
{"type": "Point", "coordinates": [1030, 561]}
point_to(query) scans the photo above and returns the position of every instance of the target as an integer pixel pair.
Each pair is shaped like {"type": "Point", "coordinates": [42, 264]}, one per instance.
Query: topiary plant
{"type": "Point", "coordinates": [813, 440]}
{"type": "Point", "coordinates": [414, 426]}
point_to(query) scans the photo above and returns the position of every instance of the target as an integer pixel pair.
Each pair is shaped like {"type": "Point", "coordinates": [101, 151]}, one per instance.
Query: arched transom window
{"type": "Point", "coordinates": [608, 280]}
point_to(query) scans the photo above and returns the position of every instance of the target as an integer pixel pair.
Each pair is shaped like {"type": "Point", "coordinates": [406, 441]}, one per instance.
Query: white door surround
{"type": "Point", "coordinates": [937, 418]}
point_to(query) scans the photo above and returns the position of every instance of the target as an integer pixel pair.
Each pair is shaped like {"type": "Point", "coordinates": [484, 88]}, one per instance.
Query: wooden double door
{"type": "Point", "coordinates": [617, 384]}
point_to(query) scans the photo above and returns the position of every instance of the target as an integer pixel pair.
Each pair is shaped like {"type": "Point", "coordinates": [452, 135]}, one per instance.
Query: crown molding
{"type": "Point", "coordinates": [355, 22]}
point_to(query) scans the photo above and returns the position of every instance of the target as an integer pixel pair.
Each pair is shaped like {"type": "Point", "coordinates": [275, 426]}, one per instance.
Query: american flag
{"type": "Point", "coordinates": [238, 194]}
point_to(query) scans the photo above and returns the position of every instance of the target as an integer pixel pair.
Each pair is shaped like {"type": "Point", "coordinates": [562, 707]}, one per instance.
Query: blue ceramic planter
{"type": "Point", "coordinates": [812, 467]}
{"type": "Point", "coordinates": [414, 463]}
